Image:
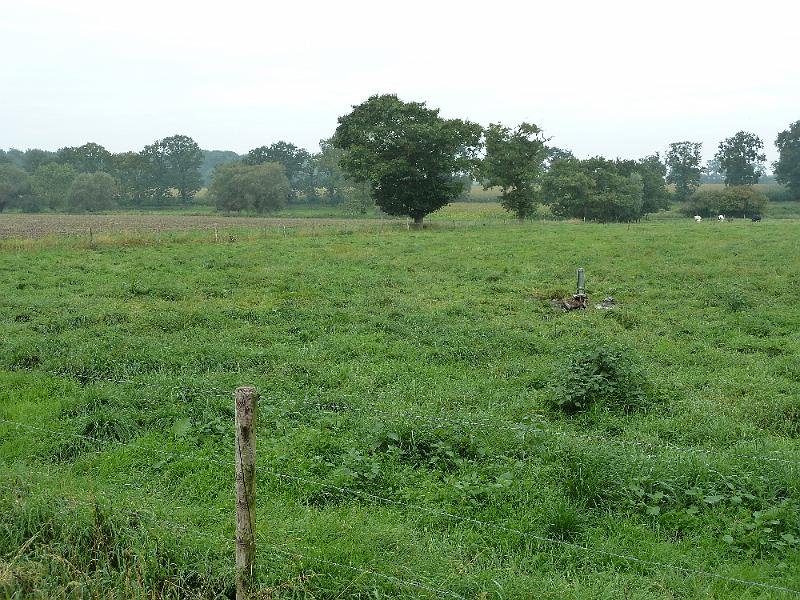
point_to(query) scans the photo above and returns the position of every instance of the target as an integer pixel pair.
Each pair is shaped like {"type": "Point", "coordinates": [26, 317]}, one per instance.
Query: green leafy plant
{"type": "Point", "coordinates": [601, 374]}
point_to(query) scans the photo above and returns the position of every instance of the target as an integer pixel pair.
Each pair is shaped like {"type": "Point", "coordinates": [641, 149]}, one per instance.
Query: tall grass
{"type": "Point", "coordinates": [421, 367]}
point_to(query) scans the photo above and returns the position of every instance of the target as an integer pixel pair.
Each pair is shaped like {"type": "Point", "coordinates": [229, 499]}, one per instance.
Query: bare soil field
{"type": "Point", "coordinates": [28, 226]}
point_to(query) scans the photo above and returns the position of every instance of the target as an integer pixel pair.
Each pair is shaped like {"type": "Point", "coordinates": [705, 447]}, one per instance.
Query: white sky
{"type": "Point", "coordinates": [608, 77]}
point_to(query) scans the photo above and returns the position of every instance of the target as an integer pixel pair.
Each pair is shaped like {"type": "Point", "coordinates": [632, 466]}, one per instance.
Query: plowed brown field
{"type": "Point", "coordinates": [26, 226]}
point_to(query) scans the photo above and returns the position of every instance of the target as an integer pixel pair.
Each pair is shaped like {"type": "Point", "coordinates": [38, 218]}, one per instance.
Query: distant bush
{"type": "Point", "coordinates": [50, 184]}
{"type": "Point", "coordinates": [704, 202]}
{"type": "Point", "coordinates": [742, 201]}
{"type": "Point", "coordinates": [601, 374]}
{"type": "Point", "coordinates": [92, 192]}
{"type": "Point", "coordinates": [14, 186]}
{"type": "Point", "coordinates": [357, 199]}
{"type": "Point", "coordinates": [259, 188]}
{"type": "Point", "coordinates": [732, 201]}
{"type": "Point", "coordinates": [598, 189]}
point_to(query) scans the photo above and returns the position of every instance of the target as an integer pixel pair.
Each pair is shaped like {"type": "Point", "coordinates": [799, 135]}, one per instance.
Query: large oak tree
{"type": "Point", "coordinates": [408, 154]}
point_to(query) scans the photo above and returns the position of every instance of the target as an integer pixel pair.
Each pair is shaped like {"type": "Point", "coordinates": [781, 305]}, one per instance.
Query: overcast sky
{"type": "Point", "coordinates": [612, 78]}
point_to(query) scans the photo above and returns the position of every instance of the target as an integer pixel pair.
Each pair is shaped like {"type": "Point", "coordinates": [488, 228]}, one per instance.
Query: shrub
{"type": "Point", "coordinates": [732, 201]}
{"type": "Point", "coordinates": [742, 201]}
{"type": "Point", "coordinates": [704, 202]}
{"type": "Point", "coordinates": [593, 189]}
{"type": "Point", "coordinates": [601, 374]}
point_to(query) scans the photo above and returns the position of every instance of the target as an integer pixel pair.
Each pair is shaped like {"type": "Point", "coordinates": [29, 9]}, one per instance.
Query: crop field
{"type": "Point", "coordinates": [33, 226]}
{"type": "Point", "coordinates": [430, 425]}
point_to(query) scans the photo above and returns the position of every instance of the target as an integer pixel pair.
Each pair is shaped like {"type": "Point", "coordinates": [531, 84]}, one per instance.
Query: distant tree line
{"type": "Point", "coordinates": [89, 178]}
{"type": "Point", "coordinates": [739, 164]}
{"type": "Point", "coordinates": [412, 158]}
{"type": "Point", "coordinates": [170, 172]}
{"type": "Point", "coordinates": [409, 161]}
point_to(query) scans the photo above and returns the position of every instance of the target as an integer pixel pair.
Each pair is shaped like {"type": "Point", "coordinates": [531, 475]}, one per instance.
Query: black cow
{"type": "Point", "coordinates": [755, 218]}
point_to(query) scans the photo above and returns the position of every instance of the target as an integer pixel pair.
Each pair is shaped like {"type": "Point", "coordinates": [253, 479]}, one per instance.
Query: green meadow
{"type": "Point", "coordinates": [429, 423]}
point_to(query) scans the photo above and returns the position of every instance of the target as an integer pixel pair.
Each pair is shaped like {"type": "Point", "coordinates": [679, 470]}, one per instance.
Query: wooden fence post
{"type": "Point", "coordinates": [246, 408]}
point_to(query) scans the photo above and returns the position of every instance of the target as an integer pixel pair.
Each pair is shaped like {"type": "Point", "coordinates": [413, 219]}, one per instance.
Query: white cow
{"type": "Point", "coordinates": [697, 218]}
{"type": "Point", "coordinates": [721, 217]}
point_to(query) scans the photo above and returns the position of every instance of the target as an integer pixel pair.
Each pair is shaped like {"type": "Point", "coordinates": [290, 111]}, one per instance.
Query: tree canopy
{"type": "Point", "coordinates": [655, 196]}
{"type": "Point", "coordinates": [92, 192]}
{"type": "Point", "coordinates": [258, 188]}
{"type": "Point", "coordinates": [174, 163]}
{"type": "Point", "coordinates": [593, 189]}
{"type": "Point", "coordinates": [339, 189]}
{"type": "Point", "coordinates": [14, 185]}
{"type": "Point", "coordinates": [515, 162]}
{"type": "Point", "coordinates": [408, 154]}
{"type": "Point", "coordinates": [787, 167]}
{"type": "Point", "coordinates": [35, 158]}
{"type": "Point", "coordinates": [683, 162]}
{"type": "Point", "coordinates": [296, 162]}
{"type": "Point", "coordinates": [88, 158]}
{"type": "Point", "coordinates": [212, 158]}
{"type": "Point", "coordinates": [50, 185]}
{"type": "Point", "coordinates": [741, 159]}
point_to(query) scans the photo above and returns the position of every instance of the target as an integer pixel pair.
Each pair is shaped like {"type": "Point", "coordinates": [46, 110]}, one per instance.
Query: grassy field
{"type": "Point", "coordinates": [412, 436]}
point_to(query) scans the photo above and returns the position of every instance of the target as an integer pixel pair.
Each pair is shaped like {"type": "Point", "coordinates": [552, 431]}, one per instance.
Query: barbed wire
{"type": "Point", "coordinates": [211, 391]}
{"type": "Point", "coordinates": [532, 429]}
{"type": "Point", "coordinates": [524, 428]}
{"type": "Point", "coordinates": [441, 420]}
{"type": "Point", "coordinates": [277, 550]}
{"type": "Point", "coordinates": [390, 578]}
{"type": "Point", "coordinates": [537, 537]}
{"type": "Point", "coordinates": [444, 514]}
{"type": "Point", "coordinates": [298, 226]}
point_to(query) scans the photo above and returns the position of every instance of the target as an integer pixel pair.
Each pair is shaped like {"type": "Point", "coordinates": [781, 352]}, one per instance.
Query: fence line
{"type": "Point", "coordinates": [277, 550]}
{"type": "Point", "coordinates": [444, 514]}
{"type": "Point", "coordinates": [375, 573]}
{"type": "Point", "coordinates": [523, 428]}
{"type": "Point", "coordinates": [211, 391]}
{"type": "Point", "coordinates": [298, 226]}
{"type": "Point", "coordinates": [439, 419]}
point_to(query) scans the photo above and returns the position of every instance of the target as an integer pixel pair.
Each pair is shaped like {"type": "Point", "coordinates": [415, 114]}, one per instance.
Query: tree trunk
{"type": "Point", "coordinates": [418, 222]}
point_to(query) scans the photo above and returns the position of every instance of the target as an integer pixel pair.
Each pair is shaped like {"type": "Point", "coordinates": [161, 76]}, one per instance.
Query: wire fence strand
{"type": "Point", "coordinates": [440, 420]}
{"type": "Point", "coordinates": [274, 549]}
{"type": "Point", "coordinates": [445, 514]}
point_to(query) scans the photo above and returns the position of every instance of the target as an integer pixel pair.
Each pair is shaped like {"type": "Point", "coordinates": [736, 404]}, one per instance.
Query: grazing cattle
{"type": "Point", "coordinates": [697, 218]}
{"type": "Point", "coordinates": [721, 218]}
{"type": "Point", "coordinates": [755, 218]}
